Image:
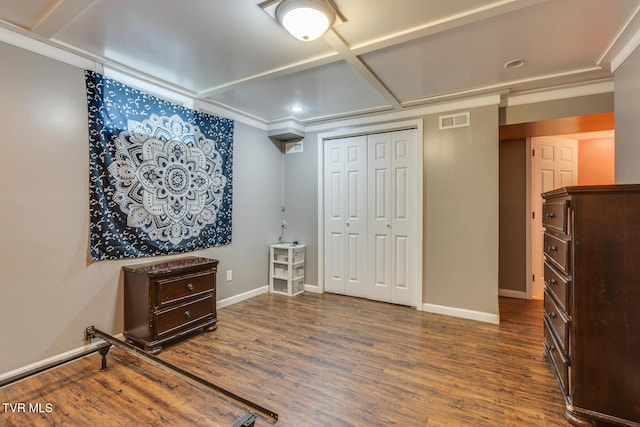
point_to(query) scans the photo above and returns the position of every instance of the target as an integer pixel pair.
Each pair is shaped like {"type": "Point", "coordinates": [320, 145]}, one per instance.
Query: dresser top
{"type": "Point", "coordinates": [593, 189]}
{"type": "Point", "coordinates": [166, 267]}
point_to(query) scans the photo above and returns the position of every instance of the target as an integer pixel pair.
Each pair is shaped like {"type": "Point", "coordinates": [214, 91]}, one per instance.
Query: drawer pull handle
{"type": "Point", "coordinates": [551, 215]}
{"type": "Point", "coordinates": [187, 315]}
{"type": "Point", "coordinates": [552, 282]}
{"type": "Point", "coordinates": [553, 315]}
{"type": "Point", "coordinates": [189, 287]}
{"type": "Point", "coordinates": [552, 249]}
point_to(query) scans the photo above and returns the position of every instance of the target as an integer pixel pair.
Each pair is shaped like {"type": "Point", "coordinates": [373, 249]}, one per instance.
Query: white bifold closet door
{"type": "Point", "coordinates": [345, 205]}
{"type": "Point", "coordinates": [371, 221]}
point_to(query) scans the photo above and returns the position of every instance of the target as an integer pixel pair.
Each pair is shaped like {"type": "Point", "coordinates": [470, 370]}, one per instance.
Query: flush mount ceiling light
{"type": "Point", "coordinates": [305, 19]}
{"type": "Point", "coordinates": [296, 108]}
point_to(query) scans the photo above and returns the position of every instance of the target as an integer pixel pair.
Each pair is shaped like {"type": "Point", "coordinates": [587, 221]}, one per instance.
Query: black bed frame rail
{"type": "Point", "coordinates": [252, 408]}
{"type": "Point", "coordinates": [39, 369]}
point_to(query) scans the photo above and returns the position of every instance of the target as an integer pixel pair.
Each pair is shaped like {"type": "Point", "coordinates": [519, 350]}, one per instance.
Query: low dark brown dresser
{"type": "Point", "coordinates": [592, 301]}
{"type": "Point", "coordinates": [166, 300]}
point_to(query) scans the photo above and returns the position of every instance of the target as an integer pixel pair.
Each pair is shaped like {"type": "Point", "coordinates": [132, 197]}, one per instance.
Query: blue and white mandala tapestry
{"type": "Point", "coordinates": [160, 174]}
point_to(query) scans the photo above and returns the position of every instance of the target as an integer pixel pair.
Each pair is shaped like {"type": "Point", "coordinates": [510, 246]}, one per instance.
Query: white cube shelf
{"type": "Point", "coordinates": [286, 269]}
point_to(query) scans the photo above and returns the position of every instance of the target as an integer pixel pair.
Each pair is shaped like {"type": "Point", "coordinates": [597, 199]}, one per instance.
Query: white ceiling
{"type": "Point", "coordinates": [386, 56]}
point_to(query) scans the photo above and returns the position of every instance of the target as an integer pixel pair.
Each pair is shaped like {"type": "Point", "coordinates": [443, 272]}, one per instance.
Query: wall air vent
{"type": "Point", "coordinates": [458, 120]}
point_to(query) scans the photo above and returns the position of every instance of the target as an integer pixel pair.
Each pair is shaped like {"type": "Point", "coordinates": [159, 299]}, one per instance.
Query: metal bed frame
{"type": "Point", "coordinates": [248, 420]}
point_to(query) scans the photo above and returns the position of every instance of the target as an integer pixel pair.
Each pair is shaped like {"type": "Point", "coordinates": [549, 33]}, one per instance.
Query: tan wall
{"type": "Point", "coordinates": [596, 161]}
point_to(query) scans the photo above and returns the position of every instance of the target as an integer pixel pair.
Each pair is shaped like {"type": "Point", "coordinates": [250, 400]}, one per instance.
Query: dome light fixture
{"type": "Point", "coordinates": [305, 20]}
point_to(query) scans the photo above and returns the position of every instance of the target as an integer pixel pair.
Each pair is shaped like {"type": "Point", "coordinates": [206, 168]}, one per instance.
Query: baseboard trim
{"type": "Point", "coordinates": [312, 288]}
{"type": "Point", "coordinates": [241, 297]}
{"type": "Point", "coordinates": [93, 346]}
{"type": "Point", "coordinates": [512, 294]}
{"type": "Point", "coordinates": [462, 312]}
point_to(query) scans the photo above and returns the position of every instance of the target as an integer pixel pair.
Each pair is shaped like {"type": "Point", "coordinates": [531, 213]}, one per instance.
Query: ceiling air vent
{"type": "Point", "coordinates": [458, 120]}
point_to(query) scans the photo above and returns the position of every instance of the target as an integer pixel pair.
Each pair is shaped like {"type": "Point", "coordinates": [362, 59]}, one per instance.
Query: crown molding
{"type": "Point", "coordinates": [574, 91]}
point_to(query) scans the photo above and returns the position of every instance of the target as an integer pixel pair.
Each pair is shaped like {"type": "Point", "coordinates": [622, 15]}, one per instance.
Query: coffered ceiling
{"type": "Point", "coordinates": [385, 56]}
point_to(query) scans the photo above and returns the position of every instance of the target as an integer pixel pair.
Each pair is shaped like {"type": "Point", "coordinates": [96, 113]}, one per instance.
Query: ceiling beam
{"type": "Point", "coordinates": [58, 15]}
{"type": "Point", "coordinates": [306, 64]}
{"type": "Point", "coordinates": [346, 54]}
{"type": "Point", "coordinates": [447, 23]}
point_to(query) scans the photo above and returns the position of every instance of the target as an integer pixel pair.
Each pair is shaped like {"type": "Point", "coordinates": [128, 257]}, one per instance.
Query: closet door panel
{"type": "Point", "coordinates": [404, 228]}
{"type": "Point", "coordinates": [380, 268]}
{"type": "Point", "coordinates": [356, 221]}
{"type": "Point", "coordinates": [345, 215]}
{"type": "Point", "coordinates": [334, 214]}
{"type": "Point", "coordinates": [401, 250]}
{"type": "Point", "coordinates": [335, 263]}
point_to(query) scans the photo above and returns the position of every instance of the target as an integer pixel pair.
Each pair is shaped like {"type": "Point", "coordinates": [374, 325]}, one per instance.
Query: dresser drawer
{"type": "Point", "coordinates": [185, 315]}
{"type": "Point", "coordinates": [559, 286]}
{"type": "Point", "coordinates": [558, 320]}
{"type": "Point", "coordinates": [554, 215]}
{"type": "Point", "coordinates": [172, 290]}
{"type": "Point", "coordinates": [557, 359]}
{"type": "Point", "coordinates": [556, 249]}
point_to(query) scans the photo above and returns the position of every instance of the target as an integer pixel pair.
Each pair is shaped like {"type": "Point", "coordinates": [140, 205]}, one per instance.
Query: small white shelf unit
{"type": "Point", "coordinates": [286, 269]}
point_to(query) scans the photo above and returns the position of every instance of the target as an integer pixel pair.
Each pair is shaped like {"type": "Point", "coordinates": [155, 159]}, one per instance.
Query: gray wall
{"type": "Point", "coordinates": [461, 213]}
{"type": "Point", "coordinates": [49, 291]}
{"type": "Point", "coordinates": [513, 216]}
{"type": "Point", "coordinates": [301, 202]}
{"type": "Point", "coordinates": [627, 110]}
{"type": "Point", "coordinates": [548, 110]}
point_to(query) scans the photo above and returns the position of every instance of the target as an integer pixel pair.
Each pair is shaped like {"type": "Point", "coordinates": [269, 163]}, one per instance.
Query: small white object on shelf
{"type": "Point", "coordinates": [286, 269]}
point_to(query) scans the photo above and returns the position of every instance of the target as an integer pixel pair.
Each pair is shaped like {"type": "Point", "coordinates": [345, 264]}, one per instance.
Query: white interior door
{"type": "Point", "coordinates": [345, 204]}
{"type": "Point", "coordinates": [555, 165]}
{"type": "Point", "coordinates": [392, 217]}
{"type": "Point", "coordinates": [404, 213]}
{"type": "Point", "coordinates": [380, 233]}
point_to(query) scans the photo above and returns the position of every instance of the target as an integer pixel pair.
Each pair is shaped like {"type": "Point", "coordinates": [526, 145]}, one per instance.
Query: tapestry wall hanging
{"type": "Point", "coordinates": [160, 174]}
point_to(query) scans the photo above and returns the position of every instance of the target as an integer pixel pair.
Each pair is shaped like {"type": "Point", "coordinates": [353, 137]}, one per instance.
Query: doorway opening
{"type": "Point", "coordinates": [524, 149]}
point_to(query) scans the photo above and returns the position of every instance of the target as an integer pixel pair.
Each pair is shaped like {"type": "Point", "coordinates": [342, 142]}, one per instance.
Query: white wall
{"type": "Point", "coordinates": [49, 290]}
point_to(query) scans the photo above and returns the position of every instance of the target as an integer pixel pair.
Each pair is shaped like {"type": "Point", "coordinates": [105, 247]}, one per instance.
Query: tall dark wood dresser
{"type": "Point", "coordinates": [592, 301]}
{"type": "Point", "coordinates": [169, 299]}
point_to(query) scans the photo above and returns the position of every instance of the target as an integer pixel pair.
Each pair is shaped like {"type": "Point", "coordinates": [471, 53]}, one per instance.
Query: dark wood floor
{"type": "Point", "coordinates": [319, 360]}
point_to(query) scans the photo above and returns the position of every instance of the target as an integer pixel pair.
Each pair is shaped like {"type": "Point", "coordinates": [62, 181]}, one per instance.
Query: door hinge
{"type": "Point", "coordinates": [533, 215]}
{"type": "Point", "coordinates": [533, 277]}
{"type": "Point", "coordinates": [533, 153]}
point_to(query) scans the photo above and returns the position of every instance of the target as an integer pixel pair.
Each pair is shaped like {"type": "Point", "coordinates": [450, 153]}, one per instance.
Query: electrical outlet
{"type": "Point", "coordinates": [229, 275]}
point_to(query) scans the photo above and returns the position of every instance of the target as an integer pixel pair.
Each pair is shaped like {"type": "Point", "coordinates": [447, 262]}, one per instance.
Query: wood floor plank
{"type": "Point", "coordinates": [321, 360]}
